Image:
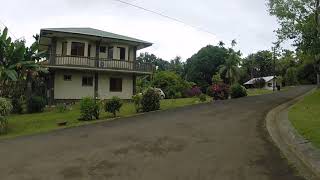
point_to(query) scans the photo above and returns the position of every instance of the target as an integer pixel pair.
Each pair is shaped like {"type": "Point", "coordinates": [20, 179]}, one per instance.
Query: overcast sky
{"type": "Point", "coordinates": [247, 21]}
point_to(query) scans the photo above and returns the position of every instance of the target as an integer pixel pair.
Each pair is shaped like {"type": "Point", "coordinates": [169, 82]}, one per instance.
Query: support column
{"type": "Point", "coordinates": [134, 84]}
{"type": "Point", "coordinates": [96, 85]}
{"type": "Point", "coordinates": [96, 74]}
{"type": "Point", "coordinates": [50, 88]}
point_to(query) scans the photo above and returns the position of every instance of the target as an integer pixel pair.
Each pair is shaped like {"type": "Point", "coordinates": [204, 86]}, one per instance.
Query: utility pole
{"type": "Point", "coordinates": [276, 46]}
{"type": "Point", "coordinates": [274, 69]}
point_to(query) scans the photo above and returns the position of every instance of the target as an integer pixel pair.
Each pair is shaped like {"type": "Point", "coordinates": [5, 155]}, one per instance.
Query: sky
{"type": "Point", "coordinates": [247, 21]}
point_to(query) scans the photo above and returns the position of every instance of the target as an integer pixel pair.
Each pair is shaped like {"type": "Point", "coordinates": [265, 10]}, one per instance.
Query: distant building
{"type": "Point", "coordinates": [268, 82]}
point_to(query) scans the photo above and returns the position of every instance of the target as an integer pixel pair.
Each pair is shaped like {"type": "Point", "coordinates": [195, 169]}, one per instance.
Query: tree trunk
{"type": "Point", "coordinates": [29, 85]}
{"type": "Point", "coordinates": [318, 79]}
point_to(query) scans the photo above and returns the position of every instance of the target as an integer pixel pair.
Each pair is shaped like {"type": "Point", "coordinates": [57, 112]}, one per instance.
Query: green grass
{"type": "Point", "coordinates": [27, 124]}
{"type": "Point", "coordinates": [256, 92]}
{"type": "Point", "coordinates": [305, 117]}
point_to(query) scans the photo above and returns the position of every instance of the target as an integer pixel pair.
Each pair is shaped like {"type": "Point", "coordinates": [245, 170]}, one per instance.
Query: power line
{"type": "Point", "coordinates": [165, 16]}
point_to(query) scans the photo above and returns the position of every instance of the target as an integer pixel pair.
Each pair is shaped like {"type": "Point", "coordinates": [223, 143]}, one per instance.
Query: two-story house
{"type": "Point", "coordinates": [89, 62]}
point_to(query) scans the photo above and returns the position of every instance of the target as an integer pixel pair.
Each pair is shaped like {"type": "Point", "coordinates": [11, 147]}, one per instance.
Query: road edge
{"type": "Point", "coordinates": [299, 152]}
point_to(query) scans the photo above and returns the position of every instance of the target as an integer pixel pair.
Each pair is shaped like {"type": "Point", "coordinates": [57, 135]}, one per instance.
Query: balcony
{"type": "Point", "coordinates": [77, 62]}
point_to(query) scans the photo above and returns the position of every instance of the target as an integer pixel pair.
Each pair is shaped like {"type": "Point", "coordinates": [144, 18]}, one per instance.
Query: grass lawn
{"type": "Point", "coordinates": [256, 92]}
{"type": "Point", "coordinates": [305, 117]}
{"type": "Point", "coordinates": [26, 124]}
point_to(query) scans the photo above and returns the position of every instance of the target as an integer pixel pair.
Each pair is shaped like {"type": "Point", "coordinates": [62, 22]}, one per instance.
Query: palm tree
{"type": "Point", "coordinates": [221, 43]}
{"type": "Point", "coordinates": [231, 69]}
{"type": "Point", "coordinates": [233, 43]}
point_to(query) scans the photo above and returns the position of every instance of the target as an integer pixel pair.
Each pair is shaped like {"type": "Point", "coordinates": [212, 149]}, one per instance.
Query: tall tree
{"type": "Point", "coordinates": [299, 20]}
{"type": "Point", "coordinates": [177, 66]}
{"type": "Point", "coordinates": [204, 64]}
{"type": "Point", "coordinates": [260, 64]}
{"type": "Point", "coordinates": [161, 64]}
{"type": "Point", "coordinates": [231, 68]}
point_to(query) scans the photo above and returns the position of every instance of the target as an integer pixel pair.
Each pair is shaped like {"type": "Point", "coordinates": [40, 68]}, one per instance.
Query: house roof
{"type": "Point", "coordinates": [267, 79]}
{"type": "Point", "coordinates": [97, 33]}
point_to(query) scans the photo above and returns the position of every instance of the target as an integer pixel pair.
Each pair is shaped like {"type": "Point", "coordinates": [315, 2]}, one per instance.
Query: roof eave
{"type": "Point", "coordinates": [141, 44]}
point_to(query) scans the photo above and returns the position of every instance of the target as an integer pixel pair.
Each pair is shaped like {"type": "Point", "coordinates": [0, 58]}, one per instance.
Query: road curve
{"type": "Point", "coordinates": [224, 140]}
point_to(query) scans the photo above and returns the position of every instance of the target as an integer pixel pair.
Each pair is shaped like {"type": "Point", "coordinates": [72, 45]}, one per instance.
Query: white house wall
{"type": "Point", "coordinates": [74, 90]}
{"type": "Point", "coordinates": [71, 89]}
{"type": "Point", "coordinates": [104, 86]}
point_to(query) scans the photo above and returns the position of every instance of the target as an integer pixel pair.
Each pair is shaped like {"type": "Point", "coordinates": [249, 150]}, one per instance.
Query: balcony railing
{"type": "Point", "coordinates": [91, 62]}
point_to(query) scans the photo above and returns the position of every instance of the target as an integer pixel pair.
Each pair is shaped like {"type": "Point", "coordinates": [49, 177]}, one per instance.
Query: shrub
{"type": "Point", "coordinates": [36, 104]}
{"type": "Point", "coordinates": [113, 105]}
{"type": "Point", "coordinates": [202, 98]}
{"type": "Point", "coordinates": [194, 91]}
{"type": "Point", "coordinates": [150, 101]}
{"type": "Point", "coordinates": [89, 109]}
{"type": "Point", "coordinates": [5, 109]}
{"type": "Point", "coordinates": [210, 91]}
{"type": "Point", "coordinates": [170, 83]}
{"type": "Point", "coordinates": [62, 107]}
{"type": "Point", "coordinates": [17, 103]}
{"type": "Point", "coordinates": [238, 91]}
{"type": "Point", "coordinates": [216, 79]}
{"type": "Point", "coordinates": [220, 91]}
{"type": "Point", "coordinates": [259, 83]}
{"type": "Point", "coordinates": [137, 102]}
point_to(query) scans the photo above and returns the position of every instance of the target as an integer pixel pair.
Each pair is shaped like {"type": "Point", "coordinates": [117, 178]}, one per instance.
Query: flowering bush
{"type": "Point", "coordinates": [194, 91]}
{"type": "Point", "coordinates": [220, 91]}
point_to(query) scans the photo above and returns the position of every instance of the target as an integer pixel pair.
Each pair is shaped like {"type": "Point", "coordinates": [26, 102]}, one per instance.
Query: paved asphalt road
{"type": "Point", "coordinates": [224, 140]}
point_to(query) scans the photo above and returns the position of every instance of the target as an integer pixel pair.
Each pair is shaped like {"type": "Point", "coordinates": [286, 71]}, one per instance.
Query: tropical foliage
{"type": "Point", "coordinates": [113, 105]}
{"type": "Point", "coordinates": [19, 68]}
{"type": "Point", "coordinates": [299, 21]}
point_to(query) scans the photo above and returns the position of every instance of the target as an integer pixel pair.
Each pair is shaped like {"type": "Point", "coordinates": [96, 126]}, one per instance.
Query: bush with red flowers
{"type": "Point", "coordinates": [220, 91]}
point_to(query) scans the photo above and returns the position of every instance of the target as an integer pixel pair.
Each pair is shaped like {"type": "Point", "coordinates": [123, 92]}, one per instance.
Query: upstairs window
{"type": "Point", "coordinates": [87, 81]}
{"type": "Point", "coordinates": [110, 52]}
{"type": "Point", "coordinates": [103, 49]}
{"type": "Point", "coordinates": [77, 49]}
{"type": "Point", "coordinates": [115, 85]}
{"type": "Point", "coordinates": [122, 53]}
{"type": "Point", "coordinates": [67, 77]}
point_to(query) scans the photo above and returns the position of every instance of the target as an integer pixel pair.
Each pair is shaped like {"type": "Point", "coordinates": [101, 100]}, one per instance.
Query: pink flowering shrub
{"type": "Point", "coordinates": [220, 91]}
